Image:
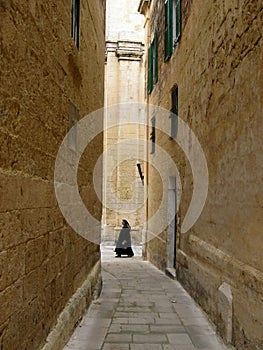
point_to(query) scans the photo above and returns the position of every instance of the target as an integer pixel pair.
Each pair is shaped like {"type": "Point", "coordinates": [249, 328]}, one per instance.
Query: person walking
{"type": "Point", "coordinates": [123, 245]}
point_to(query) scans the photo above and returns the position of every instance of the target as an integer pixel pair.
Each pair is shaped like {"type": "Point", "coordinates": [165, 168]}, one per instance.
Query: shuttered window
{"type": "Point", "coordinates": [172, 26]}
{"type": "Point", "coordinates": [75, 21]}
{"type": "Point", "coordinates": [177, 25]}
{"type": "Point", "coordinates": [150, 69]}
{"type": "Point", "coordinates": [155, 58]}
{"type": "Point", "coordinates": [168, 29]}
{"type": "Point", "coordinates": [153, 63]}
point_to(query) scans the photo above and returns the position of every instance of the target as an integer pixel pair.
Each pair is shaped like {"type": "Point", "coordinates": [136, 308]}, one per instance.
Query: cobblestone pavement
{"type": "Point", "coordinates": [140, 308]}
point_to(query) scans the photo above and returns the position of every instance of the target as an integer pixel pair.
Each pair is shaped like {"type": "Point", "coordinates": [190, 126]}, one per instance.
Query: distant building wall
{"type": "Point", "coordinates": [42, 261]}
{"type": "Point", "coordinates": [217, 67]}
{"type": "Point", "coordinates": [124, 83]}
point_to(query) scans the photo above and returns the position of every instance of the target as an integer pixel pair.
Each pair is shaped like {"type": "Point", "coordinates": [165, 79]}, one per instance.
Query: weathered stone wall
{"type": "Point", "coordinates": [124, 84]}
{"type": "Point", "coordinates": [42, 261]}
{"type": "Point", "coordinates": [217, 66]}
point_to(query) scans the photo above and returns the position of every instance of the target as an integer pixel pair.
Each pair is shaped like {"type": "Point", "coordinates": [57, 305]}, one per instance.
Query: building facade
{"type": "Point", "coordinates": [52, 74]}
{"type": "Point", "coordinates": [124, 122]}
{"type": "Point", "coordinates": [204, 68]}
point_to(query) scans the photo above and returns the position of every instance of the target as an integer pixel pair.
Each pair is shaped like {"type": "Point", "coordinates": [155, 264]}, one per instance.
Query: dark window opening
{"type": "Point", "coordinates": [174, 111]}
{"type": "Point", "coordinates": [152, 135]}
{"type": "Point", "coordinates": [75, 21]}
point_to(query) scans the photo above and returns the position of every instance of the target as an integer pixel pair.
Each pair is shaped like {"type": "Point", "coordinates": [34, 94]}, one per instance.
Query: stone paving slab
{"type": "Point", "coordinates": [141, 308]}
{"type": "Point", "coordinates": [109, 346]}
{"type": "Point", "coordinates": [146, 347]}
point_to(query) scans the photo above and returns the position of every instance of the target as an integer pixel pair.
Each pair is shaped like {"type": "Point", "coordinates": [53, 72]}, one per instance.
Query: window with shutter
{"type": "Point", "coordinates": [75, 21]}
{"type": "Point", "coordinates": [153, 63]}
{"type": "Point", "coordinates": [168, 29]}
{"type": "Point", "coordinates": [172, 26]}
{"type": "Point", "coordinates": [155, 58]}
{"type": "Point", "coordinates": [150, 69]}
{"type": "Point", "coordinates": [177, 21]}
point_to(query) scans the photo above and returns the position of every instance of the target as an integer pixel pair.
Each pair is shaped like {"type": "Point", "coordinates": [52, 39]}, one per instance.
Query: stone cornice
{"type": "Point", "coordinates": [126, 50]}
{"type": "Point", "coordinates": [111, 46]}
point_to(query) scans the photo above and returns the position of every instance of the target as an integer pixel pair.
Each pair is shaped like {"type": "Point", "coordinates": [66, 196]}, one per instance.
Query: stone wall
{"type": "Point", "coordinates": [217, 67]}
{"type": "Point", "coordinates": [42, 261]}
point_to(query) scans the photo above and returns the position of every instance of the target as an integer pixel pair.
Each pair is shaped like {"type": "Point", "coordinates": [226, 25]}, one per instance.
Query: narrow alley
{"type": "Point", "coordinates": [140, 308]}
{"type": "Point", "coordinates": [131, 125]}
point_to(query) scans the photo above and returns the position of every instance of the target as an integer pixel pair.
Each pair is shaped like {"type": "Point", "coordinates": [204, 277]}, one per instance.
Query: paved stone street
{"type": "Point", "coordinates": [140, 308]}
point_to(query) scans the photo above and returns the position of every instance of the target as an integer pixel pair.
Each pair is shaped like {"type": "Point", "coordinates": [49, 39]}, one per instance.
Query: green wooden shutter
{"type": "Point", "coordinates": [168, 29]}
{"type": "Point", "coordinates": [155, 58]}
{"type": "Point", "coordinates": [178, 20]}
{"type": "Point", "coordinates": [150, 69]}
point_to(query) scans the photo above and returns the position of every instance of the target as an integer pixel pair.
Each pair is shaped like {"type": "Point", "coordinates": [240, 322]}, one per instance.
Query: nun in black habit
{"type": "Point", "coordinates": [123, 245]}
